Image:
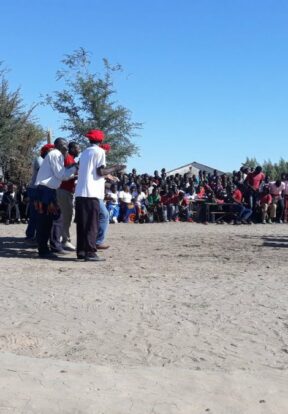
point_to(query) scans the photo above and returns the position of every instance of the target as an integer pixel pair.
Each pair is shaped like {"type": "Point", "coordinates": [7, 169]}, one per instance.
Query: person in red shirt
{"type": "Point", "coordinates": [268, 208]}
{"type": "Point", "coordinates": [243, 213]}
{"type": "Point", "coordinates": [65, 197]}
{"type": "Point", "coordinates": [253, 182]}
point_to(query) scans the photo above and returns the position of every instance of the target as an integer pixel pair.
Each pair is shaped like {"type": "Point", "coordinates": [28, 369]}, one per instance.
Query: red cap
{"type": "Point", "coordinates": [45, 149]}
{"type": "Point", "coordinates": [105, 147]}
{"type": "Point", "coordinates": [95, 135]}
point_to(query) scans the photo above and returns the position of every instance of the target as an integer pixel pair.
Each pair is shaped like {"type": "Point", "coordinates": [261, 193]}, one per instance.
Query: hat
{"type": "Point", "coordinates": [45, 149]}
{"type": "Point", "coordinates": [95, 135]}
{"type": "Point", "coordinates": [105, 147]}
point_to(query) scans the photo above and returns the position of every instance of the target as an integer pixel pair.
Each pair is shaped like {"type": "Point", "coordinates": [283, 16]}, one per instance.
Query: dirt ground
{"type": "Point", "coordinates": [180, 318]}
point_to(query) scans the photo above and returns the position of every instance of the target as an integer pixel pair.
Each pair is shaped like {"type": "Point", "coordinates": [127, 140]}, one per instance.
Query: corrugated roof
{"type": "Point", "coordinates": [197, 166]}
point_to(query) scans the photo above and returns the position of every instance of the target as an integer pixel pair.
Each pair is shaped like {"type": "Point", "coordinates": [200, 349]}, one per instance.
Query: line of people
{"type": "Point", "coordinates": [51, 196]}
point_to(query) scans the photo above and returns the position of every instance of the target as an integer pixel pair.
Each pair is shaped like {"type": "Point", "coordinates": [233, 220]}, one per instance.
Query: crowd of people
{"type": "Point", "coordinates": [62, 188]}
{"type": "Point", "coordinates": [248, 195]}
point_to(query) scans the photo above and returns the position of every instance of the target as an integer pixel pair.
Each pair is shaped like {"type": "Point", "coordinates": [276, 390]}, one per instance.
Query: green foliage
{"type": "Point", "coordinates": [272, 170]}
{"type": "Point", "coordinates": [86, 101]}
{"type": "Point", "coordinates": [18, 134]}
{"type": "Point", "coordinates": [251, 162]}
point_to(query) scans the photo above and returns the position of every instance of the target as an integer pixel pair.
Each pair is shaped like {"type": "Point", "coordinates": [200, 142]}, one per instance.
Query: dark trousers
{"type": "Point", "coordinates": [87, 224]}
{"type": "Point", "coordinates": [44, 226]}
{"type": "Point", "coordinates": [56, 233]}
{"type": "Point", "coordinates": [31, 228]}
{"type": "Point", "coordinates": [12, 211]}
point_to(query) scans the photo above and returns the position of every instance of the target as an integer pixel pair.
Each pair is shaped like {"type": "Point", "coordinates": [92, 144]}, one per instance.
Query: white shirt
{"type": "Point", "coordinates": [89, 183]}
{"type": "Point", "coordinates": [140, 197]}
{"type": "Point", "coordinates": [52, 171]}
{"type": "Point", "coordinates": [113, 197]}
{"type": "Point", "coordinates": [286, 187]}
{"type": "Point", "coordinates": [274, 190]}
{"type": "Point", "coordinates": [126, 197]}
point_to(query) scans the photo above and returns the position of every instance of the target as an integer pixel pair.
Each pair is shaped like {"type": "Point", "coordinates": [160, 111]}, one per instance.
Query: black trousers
{"type": "Point", "coordinates": [87, 224]}
{"type": "Point", "coordinates": [43, 231]}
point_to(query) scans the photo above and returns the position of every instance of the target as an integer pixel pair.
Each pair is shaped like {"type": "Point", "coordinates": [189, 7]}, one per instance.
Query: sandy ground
{"type": "Point", "coordinates": [181, 318]}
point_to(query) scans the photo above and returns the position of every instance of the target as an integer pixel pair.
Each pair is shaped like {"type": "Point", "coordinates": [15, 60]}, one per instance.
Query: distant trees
{"type": "Point", "coordinates": [86, 101]}
{"type": "Point", "coordinates": [19, 134]}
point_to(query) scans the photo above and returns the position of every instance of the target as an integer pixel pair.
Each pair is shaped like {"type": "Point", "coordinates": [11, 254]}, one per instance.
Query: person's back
{"type": "Point", "coordinates": [89, 183]}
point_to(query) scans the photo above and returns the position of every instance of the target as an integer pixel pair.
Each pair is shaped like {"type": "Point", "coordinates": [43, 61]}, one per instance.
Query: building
{"type": "Point", "coordinates": [194, 167]}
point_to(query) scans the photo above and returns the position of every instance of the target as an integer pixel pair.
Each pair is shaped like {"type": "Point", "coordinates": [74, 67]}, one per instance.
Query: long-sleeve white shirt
{"type": "Point", "coordinates": [52, 171]}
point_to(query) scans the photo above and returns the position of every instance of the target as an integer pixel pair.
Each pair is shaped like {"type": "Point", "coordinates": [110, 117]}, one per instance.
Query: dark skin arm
{"type": "Point", "coordinates": [106, 171]}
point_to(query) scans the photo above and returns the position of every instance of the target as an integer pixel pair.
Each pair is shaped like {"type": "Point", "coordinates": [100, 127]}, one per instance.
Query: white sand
{"type": "Point", "coordinates": [181, 318]}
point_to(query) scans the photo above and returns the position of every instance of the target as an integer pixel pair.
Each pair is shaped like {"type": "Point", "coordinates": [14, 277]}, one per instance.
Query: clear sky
{"type": "Point", "coordinates": [208, 78]}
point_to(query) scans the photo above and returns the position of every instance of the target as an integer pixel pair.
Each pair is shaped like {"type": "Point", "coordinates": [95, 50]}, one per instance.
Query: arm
{"type": "Point", "coordinates": [59, 171]}
{"type": "Point", "coordinates": [106, 171]}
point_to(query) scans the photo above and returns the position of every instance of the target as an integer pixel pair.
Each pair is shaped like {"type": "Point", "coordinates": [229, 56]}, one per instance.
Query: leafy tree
{"type": "Point", "coordinates": [86, 101]}
{"type": "Point", "coordinates": [19, 134]}
{"type": "Point", "coordinates": [251, 162]}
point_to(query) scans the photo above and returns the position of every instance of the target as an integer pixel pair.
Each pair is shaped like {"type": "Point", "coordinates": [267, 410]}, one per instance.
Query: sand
{"type": "Point", "coordinates": [181, 318]}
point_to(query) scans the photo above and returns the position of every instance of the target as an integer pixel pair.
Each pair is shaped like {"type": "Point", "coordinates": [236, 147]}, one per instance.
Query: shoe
{"type": "Point", "coordinates": [190, 220]}
{"type": "Point", "coordinates": [31, 242]}
{"type": "Point", "coordinates": [280, 221]}
{"type": "Point", "coordinates": [60, 252]}
{"type": "Point", "coordinates": [114, 220]}
{"type": "Point", "coordinates": [102, 246]}
{"type": "Point", "coordinates": [263, 221]}
{"type": "Point", "coordinates": [93, 257]}
{"type": "Point", "coordinates": [81, 256]}
{"type": "Point", "coordinates": [269, 221]}
{"type": "Point", "coordinates": [48, 255]}
{"type": "Point", "coordinates": [7, 222]}
{"type": "Point", "coordinates": [68, 246]}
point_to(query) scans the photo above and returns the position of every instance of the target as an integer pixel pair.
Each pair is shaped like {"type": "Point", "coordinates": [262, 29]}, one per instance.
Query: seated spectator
{"type": "Point", "coordinates": [155, 206]}
{"type": "Point", "coordinates": [169, 201]}
{"type": "Point", "coordinates": [276, 189]}
{"type": "Point", "coordinates": [243, 213]}
{"type": "Point", "coordinates": [268, 208]}
{"type": "Point", "coordinates": [126, 205]}
{"type": "Point", "coordinates": [10, 205]}
{"type": "Point", "coordinates": [183, 206]}
{"type": "Point", "coordinates": [140, 204]}
{"type": "Point", "coordinates": [112, 204]}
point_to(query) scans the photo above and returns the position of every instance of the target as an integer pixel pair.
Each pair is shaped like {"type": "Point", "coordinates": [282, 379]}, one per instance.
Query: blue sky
{"type": "Point", "coordinates": [208, 78]}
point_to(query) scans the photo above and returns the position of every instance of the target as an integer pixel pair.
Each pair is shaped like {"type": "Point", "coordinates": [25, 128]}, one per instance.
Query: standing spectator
{"type": "Point", "coordinates": [253, 182]}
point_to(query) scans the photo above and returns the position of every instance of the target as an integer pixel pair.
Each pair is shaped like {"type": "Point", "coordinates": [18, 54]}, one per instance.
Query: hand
{"type": "Point", "coordinates": [112, 178]}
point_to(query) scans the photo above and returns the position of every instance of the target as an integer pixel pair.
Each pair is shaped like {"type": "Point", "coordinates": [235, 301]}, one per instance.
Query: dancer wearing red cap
{"type": "Point", "coordinates": [50, 175]}
{"type": "Point", "coordinates": [89, 189]}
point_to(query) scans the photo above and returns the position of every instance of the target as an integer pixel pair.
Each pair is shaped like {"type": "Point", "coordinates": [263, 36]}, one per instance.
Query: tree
{"type": "Point", "coordinates": [19, 134]}
{"type": "Point", "coordinates": [251, 162]}
{"type": "Point", "coordinates": [86, 101]}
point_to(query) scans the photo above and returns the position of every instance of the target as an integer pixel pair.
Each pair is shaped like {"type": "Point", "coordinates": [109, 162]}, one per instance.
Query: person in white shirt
{"type": "Point", "coordinates": [90, 188]}
{"type": "Point", "coordinates": [276, 189]}
{"type": "Point", "coordinates": [112, 204]}
{"type": "Point", "coordinates": [50, 176]}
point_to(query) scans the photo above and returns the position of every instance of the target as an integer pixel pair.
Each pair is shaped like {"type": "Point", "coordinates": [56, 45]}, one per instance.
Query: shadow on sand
{"type": "Point", "coordinates": [274, 241]}
{"type": "Point", "coordinates": [18, 247]}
